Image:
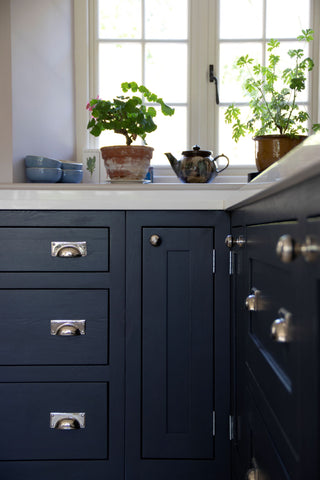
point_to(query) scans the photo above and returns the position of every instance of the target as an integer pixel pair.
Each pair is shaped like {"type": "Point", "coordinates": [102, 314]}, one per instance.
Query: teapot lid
{"type": "Point", "coordinates": [196, 151]}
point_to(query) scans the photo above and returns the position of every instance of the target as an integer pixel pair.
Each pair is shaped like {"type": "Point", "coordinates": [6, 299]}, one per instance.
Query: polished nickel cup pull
{"type": "Point", "coordinates": [68, 249]}
{"type": "Point", "coordinates": [67, 328]}
{"type": "Point", "coordinates": [67, 421]}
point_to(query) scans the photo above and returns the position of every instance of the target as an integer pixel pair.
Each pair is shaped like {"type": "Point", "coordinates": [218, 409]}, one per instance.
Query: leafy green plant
{"type": "Point", "coordinates": [128, 116]}
{"type": "Point", "coordinates": [273, 94]}
{"type": "Point", "coordinates": [91, 164]}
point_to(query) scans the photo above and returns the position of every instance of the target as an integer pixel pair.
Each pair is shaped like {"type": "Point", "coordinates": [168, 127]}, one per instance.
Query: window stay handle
{"type": "Point", "coordinates": [213, 79]}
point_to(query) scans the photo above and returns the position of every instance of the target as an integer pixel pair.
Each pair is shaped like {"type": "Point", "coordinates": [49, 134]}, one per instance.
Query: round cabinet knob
{"type": "Point", "coordinates": [251, 303]}
{"type": "Point", "coordinates": [68, 330]}
{"type": "Point", "coordinates": [251, 474]}
{"type": "Point", "coordinates": [280, 328]}
{"type": "Point", "coordinates": [286, 249]}
{"type": "Point", "coordinates": [310, 249]}
{"type": "Point", "coordinates": [252, 300]}
{"type": "Point", "coordinates": [230, 241]}
{"type": "Point", "coordinates": [155, 240]}
{"type": "Point", "coordinates": [67, 424]}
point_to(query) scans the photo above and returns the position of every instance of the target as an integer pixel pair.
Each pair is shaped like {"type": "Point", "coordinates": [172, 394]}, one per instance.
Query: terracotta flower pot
{"type": "Point", "coordinates": [270, 148]}
{"type": "Point", "coordinates": [127, 163]}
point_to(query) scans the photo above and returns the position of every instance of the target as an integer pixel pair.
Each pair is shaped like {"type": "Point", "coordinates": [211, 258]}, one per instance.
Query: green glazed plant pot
{"type": "Point", "coordinates": [270, 148]}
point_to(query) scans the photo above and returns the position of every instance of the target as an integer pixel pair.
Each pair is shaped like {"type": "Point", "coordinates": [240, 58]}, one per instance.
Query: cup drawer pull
{"type": "Point", "coordinates": [68, 328]}
{"type": "Point", "coordinates": [67, 421]}
{"type": "Point", "coordinates": [68, 249]}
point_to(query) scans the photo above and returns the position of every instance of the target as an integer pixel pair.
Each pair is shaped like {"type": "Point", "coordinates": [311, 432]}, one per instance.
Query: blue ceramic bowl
{"type": "Point", "coordinates": [71, 176]}
{"type": "Point", "coordinates": [42, 162]}
{"type": "Point", "coordinates": [43, 175]}
{"type": "Point", "coordinates": [71, 166]}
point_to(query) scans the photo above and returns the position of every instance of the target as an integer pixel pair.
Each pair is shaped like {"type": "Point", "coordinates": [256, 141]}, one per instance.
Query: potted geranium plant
{"type": "Point", "coordinates": [276, 121]}
{"type": "Point", "coordinates": [131, 117]}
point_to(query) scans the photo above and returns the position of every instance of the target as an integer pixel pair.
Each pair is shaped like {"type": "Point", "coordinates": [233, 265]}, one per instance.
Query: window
{"type": "Point", "coordinates": [262, 21]}
{"type": "Point", "coordinates": [146, 42]}
{"type": "Point", "coordinates": [168, 45]}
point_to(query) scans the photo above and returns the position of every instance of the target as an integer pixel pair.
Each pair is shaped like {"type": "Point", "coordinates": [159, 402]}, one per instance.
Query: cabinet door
{"type": "Point", "coordinates": [177, 369]}
{"type": "Point", "coordinates": [177, 346]}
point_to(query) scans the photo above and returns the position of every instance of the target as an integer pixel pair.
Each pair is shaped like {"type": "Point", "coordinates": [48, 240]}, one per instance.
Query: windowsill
{"type": "Point", "coordinates": [232, 177]}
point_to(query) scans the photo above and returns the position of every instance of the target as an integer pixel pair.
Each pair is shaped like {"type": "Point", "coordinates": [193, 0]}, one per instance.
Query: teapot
{"type": "Point", "coordinates": [196, 165]}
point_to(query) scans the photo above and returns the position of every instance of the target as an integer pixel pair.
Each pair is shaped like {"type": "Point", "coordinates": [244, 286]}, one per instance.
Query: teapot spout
{"type": "Point", "coordinates": [173, 162]}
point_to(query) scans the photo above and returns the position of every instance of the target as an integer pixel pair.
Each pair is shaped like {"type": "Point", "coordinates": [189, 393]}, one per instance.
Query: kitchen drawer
{"type": "Point", "coordinates": [54, 327]}
{"type": "Point", "coordinates": [25, 419]}
{"type": "Point", "coordinates": [266, 463]}
{"type": "Point", "coordinates": [31, 249]}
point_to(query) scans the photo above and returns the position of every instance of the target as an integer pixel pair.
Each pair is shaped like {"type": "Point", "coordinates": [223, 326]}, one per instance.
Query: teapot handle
{"type": "Point", "coordinates": [225, 156]}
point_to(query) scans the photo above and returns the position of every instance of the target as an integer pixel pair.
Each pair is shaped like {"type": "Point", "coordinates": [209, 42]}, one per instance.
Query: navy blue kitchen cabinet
{"type": "Point", "coordinates": [114, 346]}
{"type": "Point", "coordinates": [177, 334]}
{"type": "Point", "coordinates": [275, 257]}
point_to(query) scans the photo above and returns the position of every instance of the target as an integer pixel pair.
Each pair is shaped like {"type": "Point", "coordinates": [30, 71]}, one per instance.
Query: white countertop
{"type": "Point", "coordinates": [300, 164]}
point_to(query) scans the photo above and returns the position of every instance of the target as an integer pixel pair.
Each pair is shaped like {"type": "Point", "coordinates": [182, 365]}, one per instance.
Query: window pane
{"type": "Point", "coordinates": [170, 136]}
{"type": "Point", "coordinates": [286, 18]}
{"type": "Point", "coordinates": [119, 19]}
{"type": "Point", "coordinates": [166, 19]}
{"type": "Point", "coordinates": [241, 18]}
{"type": "Point", "coordinates": [231, 76]}
{"type": "Point", "coordinates": [118, 63]}
{"type": "Point", "coordinates": [166, 71]}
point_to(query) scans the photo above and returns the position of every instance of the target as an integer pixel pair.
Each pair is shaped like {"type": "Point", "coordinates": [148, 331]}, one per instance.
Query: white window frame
{"type": "Point", "coordinates": [203, 111]}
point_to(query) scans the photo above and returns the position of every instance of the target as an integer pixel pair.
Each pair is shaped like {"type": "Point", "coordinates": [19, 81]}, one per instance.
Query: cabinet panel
{"type": "Point", "coordinates": [177, 350]}
{"type": "Point", "coordinates": [274, 361]}
{"type": "Point", "coordinates": [29, 249]}
{"type": "Point", "coordinates": [25, 421]}
{"type": "Point", "coordinates": [30, 321]}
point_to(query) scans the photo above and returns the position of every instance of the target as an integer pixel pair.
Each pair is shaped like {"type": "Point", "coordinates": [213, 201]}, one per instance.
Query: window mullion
{"type": "Point", "coordinates": [199, 64]}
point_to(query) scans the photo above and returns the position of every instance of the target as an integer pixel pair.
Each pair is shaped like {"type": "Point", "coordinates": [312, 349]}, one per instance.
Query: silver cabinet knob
{"type": "Point", "coordinates": [252, 300]}
{"type": "Point", "coordinates": [230, 241]}
{"type": "Point", "coordinates": [67, 421]}
{"type": "Point", "coordinates": [310, 249]}
{"type": "Point", "coordinates": [280, 328]}
{"type": "Point", "coordinates": [68, 249]}
{"type": "Point", "coordinates": [286, 249]}
{"type": "Point", "coordinates": [155, 240]}
{"type": "Point", "coordinates": [252, 474]}
{"type": "Point", "coordinates": [67, 328]}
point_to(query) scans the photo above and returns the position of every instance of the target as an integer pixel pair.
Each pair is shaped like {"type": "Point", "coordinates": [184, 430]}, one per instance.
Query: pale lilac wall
{"type": "Point", "coordinates": [42, 80]}
{"type": "Point", "coordinates": [5, 94]}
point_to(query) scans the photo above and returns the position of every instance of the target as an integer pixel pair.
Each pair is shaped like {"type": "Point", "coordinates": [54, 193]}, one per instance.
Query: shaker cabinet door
{"type": "Point", "coordinates": [177, 343]}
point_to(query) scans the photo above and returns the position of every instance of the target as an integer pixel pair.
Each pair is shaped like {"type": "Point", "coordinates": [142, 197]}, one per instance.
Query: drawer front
{"type": "Point", "coordinates": [266, 463]}
{"type": "Point", "coordinates": [273, 358]}
{"type": "Point", "coordinates": [54, 327]}
{"type": "Point", "coordinates": [25, 418]}
{"type": "Point", "coordinates": [54, 249]}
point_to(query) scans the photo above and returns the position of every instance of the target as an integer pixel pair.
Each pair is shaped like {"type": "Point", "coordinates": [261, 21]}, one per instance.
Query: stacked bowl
{"type": "Point", "coordinates": [42, 169]}
{"type": "Point", "coordinates": [71, 172]}
{"type": "Point", "coordinates": [48, 170]}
